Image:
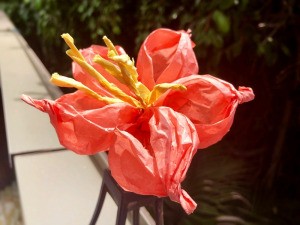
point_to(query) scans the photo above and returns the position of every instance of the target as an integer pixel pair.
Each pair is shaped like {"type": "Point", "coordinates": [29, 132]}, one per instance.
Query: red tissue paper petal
{"type": "Point", "coordinates": [210, 103]}
{"type": "Point", "coordinates": [82, 127]}
{"type": "Point", "coordinates": [165, 56]}
{"type": "Point", "coordinates": [160, 168]}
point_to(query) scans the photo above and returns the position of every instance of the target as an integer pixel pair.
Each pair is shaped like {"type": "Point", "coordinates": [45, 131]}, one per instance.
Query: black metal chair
{"type": "Point", "coordinates": [126, 201]}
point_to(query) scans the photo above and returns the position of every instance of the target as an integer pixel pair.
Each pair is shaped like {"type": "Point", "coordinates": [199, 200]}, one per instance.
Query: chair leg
{"type": "Point", "coordinates": [122, 213]}
{"type": "Point", "coordinates": [159, 216]}
{"type": "Point", "coordinates": [136, 216]}
{"type": "Point", "coordinates": [99, 204]}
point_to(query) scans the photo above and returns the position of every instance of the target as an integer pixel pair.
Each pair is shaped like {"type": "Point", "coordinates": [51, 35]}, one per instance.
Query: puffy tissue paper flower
{"type": "Point", "coordinates": [151, 118]}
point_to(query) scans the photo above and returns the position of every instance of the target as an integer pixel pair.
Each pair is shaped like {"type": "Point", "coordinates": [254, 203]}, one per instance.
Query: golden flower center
{"type": "Point", "coordinates": [123, 69]}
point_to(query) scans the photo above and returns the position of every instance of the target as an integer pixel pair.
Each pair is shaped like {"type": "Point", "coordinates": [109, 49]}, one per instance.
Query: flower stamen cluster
{"type": "Point", "coordinates": [122, 68]}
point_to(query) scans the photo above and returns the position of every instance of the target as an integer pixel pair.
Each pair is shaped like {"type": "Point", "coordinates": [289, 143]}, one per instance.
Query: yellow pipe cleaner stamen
{"type": "Point", "coordinates": [62, 81]}
{"type": "Point", "coordinates": [110, 68]}
{"type": "Point", "coordinates": [129, 72]}
{"type": "Point", "coordinates": [160, 89]}
{"type": "Point", "coordinates": [110, 87]}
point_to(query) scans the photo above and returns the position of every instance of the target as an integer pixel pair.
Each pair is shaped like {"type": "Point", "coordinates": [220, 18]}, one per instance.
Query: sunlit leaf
{"type": "Point", "coordinates": [222, 21]}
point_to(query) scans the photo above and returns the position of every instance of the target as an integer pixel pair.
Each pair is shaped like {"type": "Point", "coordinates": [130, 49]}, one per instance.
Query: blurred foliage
{"type": "Point", "coordinates": [221, 184]}
{"type": "Point", "coordinates": [222, 29]}
{"type": "Point", "coordinates": [43, 21]}
{"type": "Point", "coordinates": [252, 175]}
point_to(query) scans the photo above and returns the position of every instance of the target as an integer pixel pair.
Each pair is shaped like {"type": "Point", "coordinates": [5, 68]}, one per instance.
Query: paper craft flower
{"type": "Point", "coordinates": [151, 118]}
